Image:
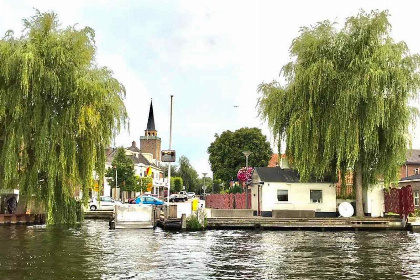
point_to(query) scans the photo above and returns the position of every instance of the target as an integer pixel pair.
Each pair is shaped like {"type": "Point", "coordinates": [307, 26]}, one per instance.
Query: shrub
{"type": "Point", "coordinates": [197, 222]}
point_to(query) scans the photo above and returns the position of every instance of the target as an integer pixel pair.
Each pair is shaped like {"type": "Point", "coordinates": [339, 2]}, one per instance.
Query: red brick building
{"type": "Point", "coordinates": [412, 164]}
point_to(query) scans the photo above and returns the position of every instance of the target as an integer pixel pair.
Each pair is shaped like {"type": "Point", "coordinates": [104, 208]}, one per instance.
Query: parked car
{"type": "Point", "coordinates": [147, 199]}
{"type": "Point", "coordinates": [177, 197]}
{"type": "Point", "coordinates": [106, 203]}
{"type": "Point", "coordinates": [191, 194]}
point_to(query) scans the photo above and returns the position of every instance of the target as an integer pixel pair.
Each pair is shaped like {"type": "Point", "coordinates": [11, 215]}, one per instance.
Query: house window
{"type": "Point", "coordinates": [316, 196]}
{"type": "Point", "coordinates": [416, 171]}
{"type": "Point", "coordinates": [282, 195]}
{"type": "Point", "coordinates": [416, 198]}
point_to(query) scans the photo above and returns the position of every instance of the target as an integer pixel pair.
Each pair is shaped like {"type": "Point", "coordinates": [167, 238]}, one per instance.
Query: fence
{"type": "Point", "coordinates": [228, 201]}
{"type": "Point", "coordinates": [399, 200]}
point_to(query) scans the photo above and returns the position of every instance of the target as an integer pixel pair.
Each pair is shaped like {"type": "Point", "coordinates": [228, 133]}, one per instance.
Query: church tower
{"type": "Point", "coordinates": [150, 142]}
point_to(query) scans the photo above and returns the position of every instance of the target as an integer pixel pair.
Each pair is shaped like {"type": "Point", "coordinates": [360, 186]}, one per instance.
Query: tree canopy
{"type": "Point", "coordinates": [58, 113]}
{"type": "Point", "coordinates": [174, 170]}
{"type": "Point", "coordinates": [188, 174]}
{"type": "Point", "coordinates": [344, 105]}
{"type": "Point", "coordinates": [176, 184]}
{"type": "Point", "coordinates": [226, 152]}
{"type": "Point", "coordinates": [123, 167]}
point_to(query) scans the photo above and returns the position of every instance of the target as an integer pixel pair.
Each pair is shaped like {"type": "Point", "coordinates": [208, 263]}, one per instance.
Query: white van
{"type": "Point", "coordinates": [106, 203]}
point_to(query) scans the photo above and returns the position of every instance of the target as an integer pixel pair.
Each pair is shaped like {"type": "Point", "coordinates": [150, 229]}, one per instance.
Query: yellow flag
{"type": "Point", "coordinates": [148, 171]}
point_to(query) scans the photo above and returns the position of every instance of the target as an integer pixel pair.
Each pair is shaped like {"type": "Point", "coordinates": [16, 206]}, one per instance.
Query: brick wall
{"type": "Point", "coordinates": [408, 170]}
{"type": "Point", "coordinates": [152, 146]}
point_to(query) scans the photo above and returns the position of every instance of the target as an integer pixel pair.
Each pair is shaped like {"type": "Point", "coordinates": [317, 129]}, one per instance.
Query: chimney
{"type": "Point", "coordinates": [283, 162]}
{"type": "Point", "coordinates": [133, 144]}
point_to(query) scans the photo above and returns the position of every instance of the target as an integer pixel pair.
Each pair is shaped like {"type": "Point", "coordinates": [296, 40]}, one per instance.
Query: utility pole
{"type": "Point", "coordinates": [246, 153]}
{"type": "Point", "coordinates": [170, 143]}
{"type": "Point", "coordinates": [116, 179]}
{"type": "Point", "coordinates": [204, 182]}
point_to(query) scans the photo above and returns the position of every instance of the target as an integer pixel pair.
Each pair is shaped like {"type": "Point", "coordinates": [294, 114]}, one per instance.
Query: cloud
{"type": "Point", "coordinates": [210, 55]}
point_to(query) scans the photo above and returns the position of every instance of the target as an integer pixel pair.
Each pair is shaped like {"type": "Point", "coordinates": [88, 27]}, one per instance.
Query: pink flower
{"type": "Point", "coordinates": [245, 174]}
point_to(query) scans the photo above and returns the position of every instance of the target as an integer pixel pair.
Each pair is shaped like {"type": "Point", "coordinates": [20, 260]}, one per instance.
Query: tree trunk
{"type": "Point", "coordinates": [359, 190]}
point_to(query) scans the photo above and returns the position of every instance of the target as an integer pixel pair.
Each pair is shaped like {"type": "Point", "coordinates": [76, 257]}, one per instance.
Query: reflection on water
{"type": "Point", "coordinates": [91, 251]}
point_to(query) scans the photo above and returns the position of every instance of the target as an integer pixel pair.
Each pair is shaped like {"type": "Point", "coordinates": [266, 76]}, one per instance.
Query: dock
{"type": "Point", "coordinates": [269, 223]}
{"type": "Point", "coordinates": [99, 214]}
{"type": "Point", "coordinates": [22, 219]}
{"type": "Point", "coordinates": [321, 224]}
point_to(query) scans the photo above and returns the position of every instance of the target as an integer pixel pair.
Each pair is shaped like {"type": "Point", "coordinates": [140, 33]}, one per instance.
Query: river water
{"type": "Point", "coordinates": [92, 251]}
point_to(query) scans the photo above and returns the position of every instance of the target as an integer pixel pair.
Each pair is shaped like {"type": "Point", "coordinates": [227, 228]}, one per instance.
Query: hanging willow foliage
{"type": "Point", "coordinates": [345, 102]}
{"type": "Point", "coordinates": [58, 112]}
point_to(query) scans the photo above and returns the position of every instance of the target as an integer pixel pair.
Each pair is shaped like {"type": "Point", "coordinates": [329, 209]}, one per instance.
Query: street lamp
{"type": "Point", "coordinates": [116, 179]}
{"type": "Point", "coordinates": [246, 154]}
{"type": "Point", "coordinates": [204, 182]}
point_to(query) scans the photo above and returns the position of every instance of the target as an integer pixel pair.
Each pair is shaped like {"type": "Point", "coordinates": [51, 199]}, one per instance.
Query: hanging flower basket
{"type": "Point", "coordinates": [245, 174]}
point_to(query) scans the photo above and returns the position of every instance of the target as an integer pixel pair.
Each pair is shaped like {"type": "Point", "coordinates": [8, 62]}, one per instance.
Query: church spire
{"type": "Point", "coordinates": [151, 120]}
{"type": "Point", "coordinates": [150, 143]}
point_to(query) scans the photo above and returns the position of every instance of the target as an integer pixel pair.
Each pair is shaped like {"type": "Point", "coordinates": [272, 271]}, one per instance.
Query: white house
{"type": "Point", "coordinates": [282, 190]}
{"type": "Point", "coordinates": [141, 162]}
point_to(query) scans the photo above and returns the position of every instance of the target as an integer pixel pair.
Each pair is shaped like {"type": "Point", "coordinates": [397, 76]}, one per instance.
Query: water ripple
{"type": "Point", "coordinates": [92, 251]}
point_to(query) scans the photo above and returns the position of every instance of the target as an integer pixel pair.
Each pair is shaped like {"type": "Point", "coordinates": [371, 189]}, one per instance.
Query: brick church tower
{"type": "Point", "coordinates": [150, 142]}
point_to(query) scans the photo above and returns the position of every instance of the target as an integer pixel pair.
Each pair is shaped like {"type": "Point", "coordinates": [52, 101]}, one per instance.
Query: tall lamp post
{"type": "Point", "coordinates": [170, 146]}
{"type": "Point", "coordinates": [204, 182]}
{"type": "Point", "coordinates": [246, 153]}
{"type": "Point", "coordinates": [116, 179]}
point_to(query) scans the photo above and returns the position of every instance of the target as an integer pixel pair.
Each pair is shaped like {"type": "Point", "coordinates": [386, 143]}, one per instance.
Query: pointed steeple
{"type": "Point", "coordinates": [151, 120]}
{"type": "Point", "coordinates": [150, 143]}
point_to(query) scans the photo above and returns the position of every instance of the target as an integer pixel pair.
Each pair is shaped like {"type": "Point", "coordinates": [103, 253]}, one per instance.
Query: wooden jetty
{"type": "Point", "coordinates": [269, 223]}
{"type": "Point", "coordinates": [99, 214]}
{"type": "Point", "coordinates": [414, 225]}
{"type": "Point", "coordinates": [22, 219]}
{"type": "Point", "coordinates": [322, 224]}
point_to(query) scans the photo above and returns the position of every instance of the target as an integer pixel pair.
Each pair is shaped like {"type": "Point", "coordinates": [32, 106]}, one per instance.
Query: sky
{"type": "Point", "coordinates": [210, 55]}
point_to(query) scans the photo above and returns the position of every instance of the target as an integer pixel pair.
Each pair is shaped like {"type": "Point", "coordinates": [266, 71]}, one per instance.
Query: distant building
{"type": "Point", "coordinates": [150, 142]}
{"type": "Point", "coordinates": [412, 164]}
{"type": "Point", "coordinates": [148, 155]}
{"type": "Point", "coordinates": [277, 160]}
{"type": "Point", "coordinates": [410, 173]}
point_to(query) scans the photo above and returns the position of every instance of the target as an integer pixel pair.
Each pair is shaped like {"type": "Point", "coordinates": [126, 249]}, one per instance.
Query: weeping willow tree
{"type": "Point", "coordinates": [58, 112]}
{"type": "Point", "coordinates": [344, 104]}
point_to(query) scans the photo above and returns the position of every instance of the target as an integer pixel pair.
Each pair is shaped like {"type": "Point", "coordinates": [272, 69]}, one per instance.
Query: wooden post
{"type": "Point", "coordinates": [166, 213]}
{"type": "Point", "coordinates": [184, 222]}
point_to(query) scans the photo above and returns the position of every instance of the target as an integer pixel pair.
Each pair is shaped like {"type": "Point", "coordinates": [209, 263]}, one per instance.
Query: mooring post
{"type": "Point", "coordinates": [184, 221]}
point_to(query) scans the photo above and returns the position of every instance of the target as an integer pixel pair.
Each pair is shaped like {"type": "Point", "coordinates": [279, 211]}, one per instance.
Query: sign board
{"type": "Point", "coordinates": [96, 186]}
{"type": "Point", "coordinates": [168, 156]}
{"type": "Point", "coordinates": [204, 187]}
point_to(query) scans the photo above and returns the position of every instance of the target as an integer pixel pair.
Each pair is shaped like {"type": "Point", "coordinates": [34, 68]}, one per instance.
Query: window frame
{"type": "Point", "coordinates": [283, 201]}
{"type": "Point", "coordinates": [315, 202]}
{"type": "Point", "coordinates": [416, 195]}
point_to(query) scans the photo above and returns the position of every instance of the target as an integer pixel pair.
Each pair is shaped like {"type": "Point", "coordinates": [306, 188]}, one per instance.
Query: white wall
{"type": "Point", "coordinates": [374, 200]}
{"type": "Point", "coordinates": [299, 197]}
